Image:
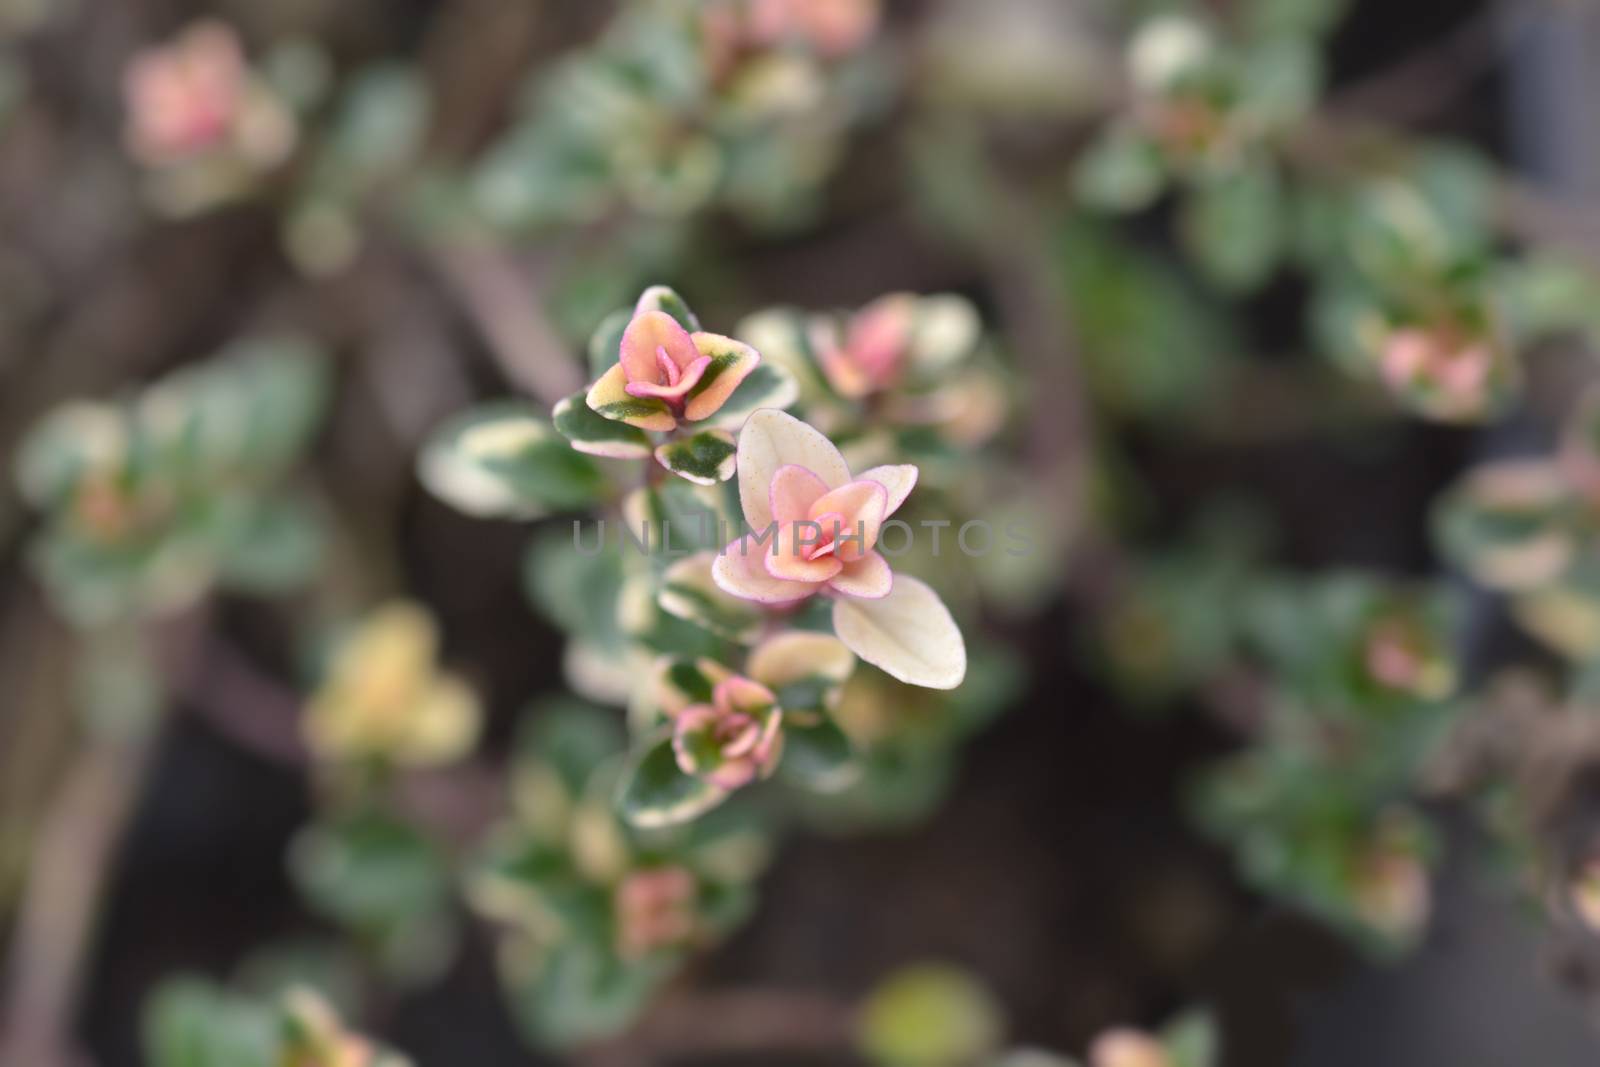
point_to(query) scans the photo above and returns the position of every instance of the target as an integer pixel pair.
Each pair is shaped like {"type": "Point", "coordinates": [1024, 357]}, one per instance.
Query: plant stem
{"type": "Point", "coordinates": [69, 874]}
{"type": "Point", "coordinates": [501, 296]}
{"type": "Point", "coordinates": [745, 1022]}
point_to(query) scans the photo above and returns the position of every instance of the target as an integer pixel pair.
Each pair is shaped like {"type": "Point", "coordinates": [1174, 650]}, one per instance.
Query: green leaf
{"type": "Point", "coordinates": [1512, 526]}
{"type": "Point", "coordinates": [1122, 172]}
{"type": "Point", "coordinates": [689, 593]}
{"type": "Point", "coordinates": [93, 583]}
{"type": "Point", "coordinates": [687, 677]}
{"type": "Point", "coordinates": [663, 298]}
{"type": "Point", "coordinates": [1235, 227]}
{"type": "Point", "coordinates": [188, 1022]}
{"type": "Point", "coordinates": [807, 694]}
{"type": "Point", "coordinates": [654, 790]}
{"type": "Point", "coordinates": [583, 992]}
{"type": "Point", "coordinates": [1548, 295]}
{"type": "Point", "coordinates": [704, 459]}
{"type": "Point", "coordinates": [571, 735]}
{"type": "Point", "coordinates": [504, 461]}
{"type": "Point", "coordinates": [530, 179]}
{"type": "Point", "coordinates": [605, 345]}
{"type": "Point", "coordinates": [673, 636]}
{"type": "Point", "coordinates": [678, 520]}
{"type": "Point", "coordinates": [593, 433]}
{"type": "Point", "coordinates": [267, 545]}
{"type": "Point", "coordinates": [1191, 1040]}
{"type": "Point", "coordinates": [818, 755]}
{"type": "Point", "coordinates": [1433, 221]}
{"type": "Point", "coordinates": [370, 871]}
{"type": "Point", "coordinates": [1281, 78]}
{"type": "Point", "coordinates": [380, 124]}
{"type": "Point", "coordinates": [1152, 346]}
{"type": "Point", "coordinates": [257, 404]}
{"type": "Point", "coordinates": [1292, 18]}
{"type": "Point", "coordinates": [768, 386]}
{"type": "Point", "coordinates": [576, 591]}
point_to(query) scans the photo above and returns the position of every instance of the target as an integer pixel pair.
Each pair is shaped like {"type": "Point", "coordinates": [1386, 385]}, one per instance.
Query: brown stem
{"type": "Point", "coordinates": [236, 700]}
{"type": "Point", "coordinates": [746, 1022]}
{"type": "Point", "coordinates": [501, 297]}
{"type": "Point", "coordinates": [69, 873]}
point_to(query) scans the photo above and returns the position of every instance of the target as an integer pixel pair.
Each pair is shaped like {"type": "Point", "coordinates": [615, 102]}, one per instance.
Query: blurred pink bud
{"type": "Point", "coordinates": [1453, 371]}
{"type": "Point", "coordinates": [184, 98]}
{"type": "Point", "coordinates": [733, 740]}
{"type": "Point", "coordinates": [654, 909]}
{"type": "Point", "coordinates": [1128, 1048]}
{"type": "Point", "coordinates": [874, 349]}
{"type": "Point", "coordinates": [832, 27]}
{"type": "Point", "coordinates": [1402, 655]}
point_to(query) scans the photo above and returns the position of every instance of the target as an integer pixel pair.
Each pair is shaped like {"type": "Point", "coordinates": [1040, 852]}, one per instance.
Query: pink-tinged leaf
{"type": "Point", "coordinates": [880, 337]}
{"type": "Point", "coordinates": [897, 480]}
{"type": "Point", "coordinates": [909, 634]}
{"type": "Point", "coordinates": [731, 363]}
{"type": "Point", "coordinates": [772, 439]}
{"type": "Point", "coordinates": [851, 515]}
{"type": "Point", "coordinates": [609, 397]}
{"type": "Point", "coordinates": [794, 490]}
{"type": "Point", "coordinates": [844, 376]}
{"type": "Point", "coordinates": [650, 336]}
{"type": "Point", "coordinates": [739, 571]}
{"type": "Point", "coordinates": [787, 561]}
{"type": "Point", "coordinates": [677, 383]}
{"type": "Point", "coordinates": [868, 577]}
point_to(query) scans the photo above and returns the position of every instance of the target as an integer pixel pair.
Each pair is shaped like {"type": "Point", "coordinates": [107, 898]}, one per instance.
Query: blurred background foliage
{"type": "Point", "coordinates": [1268, 323]}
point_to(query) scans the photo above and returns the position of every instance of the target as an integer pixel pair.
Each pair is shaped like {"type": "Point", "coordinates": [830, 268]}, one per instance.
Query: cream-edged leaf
{"type": "Point", "coordinates": [768, 386]}
{"type": "Point", "coordinates": [654, 791]}
{"type": "Point", "coordinates": [688, 592]}
{"type": "Point", "coordinates": [819, 756]}
{"type": "Point", "coordinates": [897, 479]}
{"type": "Point", "coordinates": [504, 461]}
{"type": "Point", "coordinates": [909, 634]}
{"type": "Point", "coordinates": [797, 654]}
{"type": "Point", "coordinates": [704, 459]}
{"type": "Point", "coordinates": [591, 432]}
{"type": "Point", "coordinates": [772, 439]}
{"type": "Point", "coordinates": [666, 299]}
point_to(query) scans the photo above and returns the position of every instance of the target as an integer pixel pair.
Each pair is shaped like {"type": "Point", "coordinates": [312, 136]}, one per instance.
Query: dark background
{"type": "Point", "coordinates": [1063, 869]}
